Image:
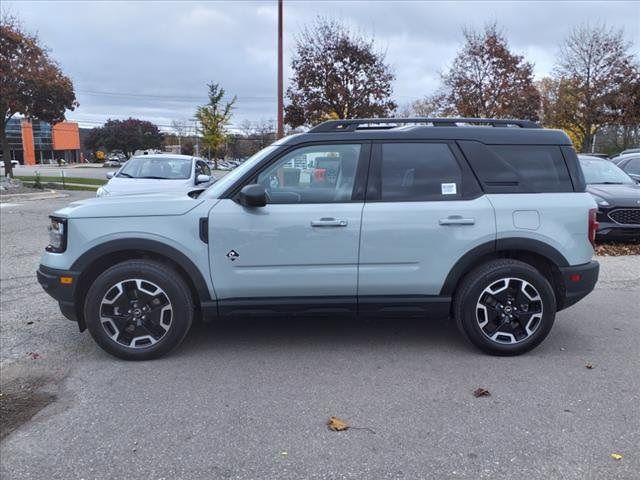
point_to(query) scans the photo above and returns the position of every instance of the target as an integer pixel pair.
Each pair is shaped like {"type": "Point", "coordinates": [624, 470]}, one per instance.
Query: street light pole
{"type": "Point", "coordinates": [280, 132]}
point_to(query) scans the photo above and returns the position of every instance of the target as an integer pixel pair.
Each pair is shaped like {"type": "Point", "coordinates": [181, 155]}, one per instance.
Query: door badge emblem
{"type": "Point", "coordinates": [232, 255]}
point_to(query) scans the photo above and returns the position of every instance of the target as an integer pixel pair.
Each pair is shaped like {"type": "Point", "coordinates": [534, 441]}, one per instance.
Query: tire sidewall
{"type": "Point", "coordinates": [167, 280]}
{"type": "Point", "coordinates": [472, 328]}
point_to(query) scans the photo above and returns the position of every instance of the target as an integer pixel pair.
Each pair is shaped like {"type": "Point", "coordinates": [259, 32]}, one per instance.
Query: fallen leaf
{"type": "Point", "coordinates": [29, 323]}
{"type": "Point", "coordinates": [481, 392]}
{"type": "Point", "coordinates": [34, 355]}
{"type": "Point", "coordinates": [616, 456]}
{"type": "Point", "coordinates": [589, 366]}
{"type": "Point", "coordinates": [336, 424]}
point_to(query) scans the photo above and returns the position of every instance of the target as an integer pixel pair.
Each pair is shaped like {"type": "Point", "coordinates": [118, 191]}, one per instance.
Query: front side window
{"type": "Point", "coordinates": [633, 166]}
{"type": "Point", "coordinates": [202, 169]}
{"type": "Point", "coordinates": [313, 174]}
{"type": "Point", "coordinates": [419, 172]}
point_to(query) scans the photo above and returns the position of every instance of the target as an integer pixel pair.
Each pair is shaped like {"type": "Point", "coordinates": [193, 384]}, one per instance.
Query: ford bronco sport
{"type": "Point", "coordinates": [486, 221]}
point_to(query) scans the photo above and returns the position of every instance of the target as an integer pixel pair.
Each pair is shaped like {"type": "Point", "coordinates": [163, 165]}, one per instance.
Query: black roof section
{"type": "Point", "coordinates": [486, 130]}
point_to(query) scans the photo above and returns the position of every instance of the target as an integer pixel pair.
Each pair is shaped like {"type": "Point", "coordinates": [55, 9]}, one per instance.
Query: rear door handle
{"type": "Point", "coordinates": [328, 222]}
{"type": "Point", "coordinates": [456, 220]}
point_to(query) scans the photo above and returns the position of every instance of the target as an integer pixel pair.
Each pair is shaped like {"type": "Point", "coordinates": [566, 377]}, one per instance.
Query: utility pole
{"type": "Point", "coordinates": [280, 132]}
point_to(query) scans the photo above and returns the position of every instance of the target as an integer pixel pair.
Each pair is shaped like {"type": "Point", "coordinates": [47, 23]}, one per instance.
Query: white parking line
{"type": "Point", "coordinates": [7, 205]}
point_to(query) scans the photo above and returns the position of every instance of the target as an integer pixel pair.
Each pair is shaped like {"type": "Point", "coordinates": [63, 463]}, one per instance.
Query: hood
{"type": "Point", "coordinates": [134, 186]}
{"type": "Point", "coordinates": [159, 204]}
{"type": "Point", "coordinates": [627, 195]}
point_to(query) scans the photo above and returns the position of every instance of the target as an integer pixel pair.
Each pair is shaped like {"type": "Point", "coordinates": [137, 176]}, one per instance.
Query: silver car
{"type": "Point", "coordinates": [159, 173]}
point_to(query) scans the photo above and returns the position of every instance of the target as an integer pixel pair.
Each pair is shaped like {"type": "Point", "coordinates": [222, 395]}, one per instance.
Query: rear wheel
{"type": "Point", "coordinates": [138, 310]}
{"type": "Point", "coordinates": [505, 307]}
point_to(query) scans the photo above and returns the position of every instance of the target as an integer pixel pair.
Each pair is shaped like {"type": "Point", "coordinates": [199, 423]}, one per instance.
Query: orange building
{"type": "Point", "coordinates": [39, 142]}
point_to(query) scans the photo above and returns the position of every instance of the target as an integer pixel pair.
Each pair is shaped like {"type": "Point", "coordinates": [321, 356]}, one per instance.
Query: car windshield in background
{"type": "Point", "coordinates": [157, 168]}
{"type": "Point", "coordinates": [603, 172]}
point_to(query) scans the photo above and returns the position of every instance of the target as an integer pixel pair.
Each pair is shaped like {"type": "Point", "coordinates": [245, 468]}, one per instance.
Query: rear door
{"type": "Point", "coordinates": [424, 210]}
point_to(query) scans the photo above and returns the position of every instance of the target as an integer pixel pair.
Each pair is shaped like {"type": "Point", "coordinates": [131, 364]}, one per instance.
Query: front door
{"type": "Point", "coordinates": [303, 245]}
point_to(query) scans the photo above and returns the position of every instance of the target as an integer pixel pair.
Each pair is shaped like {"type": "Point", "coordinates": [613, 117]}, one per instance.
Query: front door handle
{"type": "Point", "coordinates": [456, 220]}
{"type": "Point", "coordinates": [328, 222]}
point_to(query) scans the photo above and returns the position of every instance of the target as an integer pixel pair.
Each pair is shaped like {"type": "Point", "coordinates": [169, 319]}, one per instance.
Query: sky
{"type": "Point", "coordinates": [153, 60]}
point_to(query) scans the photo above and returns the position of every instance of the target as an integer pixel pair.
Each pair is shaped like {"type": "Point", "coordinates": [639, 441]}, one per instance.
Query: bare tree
{"type": "Point", "coordinates": [594, 64]}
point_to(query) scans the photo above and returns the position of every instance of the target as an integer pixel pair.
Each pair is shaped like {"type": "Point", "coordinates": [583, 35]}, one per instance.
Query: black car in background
{"type": "Point", "coordinates": [617, 196]}
{"type": "Point", "coordinates": [630, 164]}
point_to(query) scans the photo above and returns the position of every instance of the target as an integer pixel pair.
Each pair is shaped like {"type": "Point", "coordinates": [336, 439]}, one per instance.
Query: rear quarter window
{"type": "Point", "coordinates": [541, 166]}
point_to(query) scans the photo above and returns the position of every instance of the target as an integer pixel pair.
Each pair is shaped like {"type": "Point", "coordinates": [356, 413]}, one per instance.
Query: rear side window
{"type": "Point", "coordinates": [419, 172]}
{"type": "Point", "coordinates": [633, 166]}
{"type": "Point", "coordinates": [541, 166]}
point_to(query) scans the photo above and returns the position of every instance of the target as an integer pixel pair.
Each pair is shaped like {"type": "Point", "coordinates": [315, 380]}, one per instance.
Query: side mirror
{"type": "Point", "coordinates": [253, 196]}
{"type": "Point", "coordinates": [202, 179]}
{"type": "Point", "coordinates": [110, 175]}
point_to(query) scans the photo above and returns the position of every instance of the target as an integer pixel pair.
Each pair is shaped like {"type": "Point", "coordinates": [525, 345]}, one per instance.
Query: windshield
{"type": "Point", "coordinates": [603, 172]}
{"type": "Point", "coordinates": [218, 188]}
{"type": "Point", "coordinates": [161, 168]}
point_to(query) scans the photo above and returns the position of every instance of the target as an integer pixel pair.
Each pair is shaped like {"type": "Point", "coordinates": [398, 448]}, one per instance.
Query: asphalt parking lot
{"type": "Point", "coordinates": [250, 399]}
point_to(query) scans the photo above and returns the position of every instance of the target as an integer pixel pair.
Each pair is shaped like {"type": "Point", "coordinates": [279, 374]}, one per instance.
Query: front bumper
{"type": "Point", "coordinates": [49, 280]}
{"type": "Point", "coordinates": [610, 230]}
{"type": "Point", "coordinates": [578, 281]}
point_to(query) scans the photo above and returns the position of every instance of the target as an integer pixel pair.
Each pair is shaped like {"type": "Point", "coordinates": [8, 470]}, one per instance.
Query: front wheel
{"type": "Point", "coordinates": [505, 307]}
{"type": "Point", "coordinates": [138, 310]}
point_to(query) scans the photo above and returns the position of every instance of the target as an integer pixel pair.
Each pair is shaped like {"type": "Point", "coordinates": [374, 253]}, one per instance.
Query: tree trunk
{"type": "Point", "coordinates": [6, 150]}
{"type": "Point", "coordinates": [588, 138]}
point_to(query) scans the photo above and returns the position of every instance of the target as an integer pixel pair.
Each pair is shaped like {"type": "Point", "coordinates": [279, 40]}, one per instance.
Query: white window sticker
{"type": "Point", "coordinates": [448, 188]}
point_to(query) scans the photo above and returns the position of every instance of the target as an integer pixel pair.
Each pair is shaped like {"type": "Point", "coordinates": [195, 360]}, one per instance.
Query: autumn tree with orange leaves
{"type": "Point", "coordinates": [31, 83]}
{"type": "Point", "coordinates": [487, 80]}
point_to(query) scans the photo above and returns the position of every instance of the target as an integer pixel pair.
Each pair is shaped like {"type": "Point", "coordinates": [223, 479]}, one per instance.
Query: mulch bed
{"type": "Point", "coordinates": [615, 249]}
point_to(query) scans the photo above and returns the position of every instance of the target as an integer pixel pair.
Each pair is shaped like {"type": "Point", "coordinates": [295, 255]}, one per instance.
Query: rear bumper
{"type": "Point", "coordinates": [578, 282]}
{"type": "Point", "coordinates": [49, 280]}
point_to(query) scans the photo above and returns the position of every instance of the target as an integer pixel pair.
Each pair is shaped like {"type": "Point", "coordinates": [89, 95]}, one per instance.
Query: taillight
{"type": "Point", "coordinates": [593, 226]}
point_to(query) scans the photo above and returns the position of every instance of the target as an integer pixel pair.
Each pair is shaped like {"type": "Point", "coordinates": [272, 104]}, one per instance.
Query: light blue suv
{"type": "Point", "coordinates": [486, 221]}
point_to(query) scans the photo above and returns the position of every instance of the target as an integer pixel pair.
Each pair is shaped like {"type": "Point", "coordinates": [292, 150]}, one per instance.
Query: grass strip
{"type": "Point", "coordinates": [76, 180]}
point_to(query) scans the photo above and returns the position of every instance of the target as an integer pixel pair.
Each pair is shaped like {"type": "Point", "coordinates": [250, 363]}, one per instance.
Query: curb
{"type": "Point", "coordinates": [32, 196]}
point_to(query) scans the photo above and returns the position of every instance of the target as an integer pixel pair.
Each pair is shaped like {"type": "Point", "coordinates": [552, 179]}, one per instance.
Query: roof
{"type": "Point", "coordinates": [488, 131]}
{"type": "Point", "coordinates": [167, 155]}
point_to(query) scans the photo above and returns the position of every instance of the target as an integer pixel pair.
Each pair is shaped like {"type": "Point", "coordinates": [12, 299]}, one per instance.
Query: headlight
{"type": "Point", "coordinates": [57, 235]}
{"type": "Point", "coordinates": [102, 192]}
{"type": "Point", "coordinates": [600, 201]}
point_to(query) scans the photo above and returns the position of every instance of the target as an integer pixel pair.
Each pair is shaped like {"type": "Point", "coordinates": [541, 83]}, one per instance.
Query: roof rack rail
{"type": "Point", "coordinates": [352, 125]}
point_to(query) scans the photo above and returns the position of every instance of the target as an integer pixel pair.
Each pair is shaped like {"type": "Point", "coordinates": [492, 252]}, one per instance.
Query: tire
{"type": "Point", "coordinates": [145, 330]}
{"type": "Point", "coordinates": [505, 307]}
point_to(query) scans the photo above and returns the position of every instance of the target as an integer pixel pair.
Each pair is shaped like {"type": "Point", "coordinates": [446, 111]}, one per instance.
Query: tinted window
{"type": "Point", "coordinates": [202, 169]}
{"type": "Point", "coordinates": [419, 171]}
{"type": "Point", "coordinates": [542, 167]}
{"type": "Point", "coordinates": [314, 174]}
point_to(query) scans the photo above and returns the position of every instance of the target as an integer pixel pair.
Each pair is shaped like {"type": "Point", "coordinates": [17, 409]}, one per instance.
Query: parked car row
{"type": "Point", "coordinates": [226, 164]}
{"type": "Point", "coordinates": [115, 160]}
{"type": "Point", "coordinates": [630, 164]}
